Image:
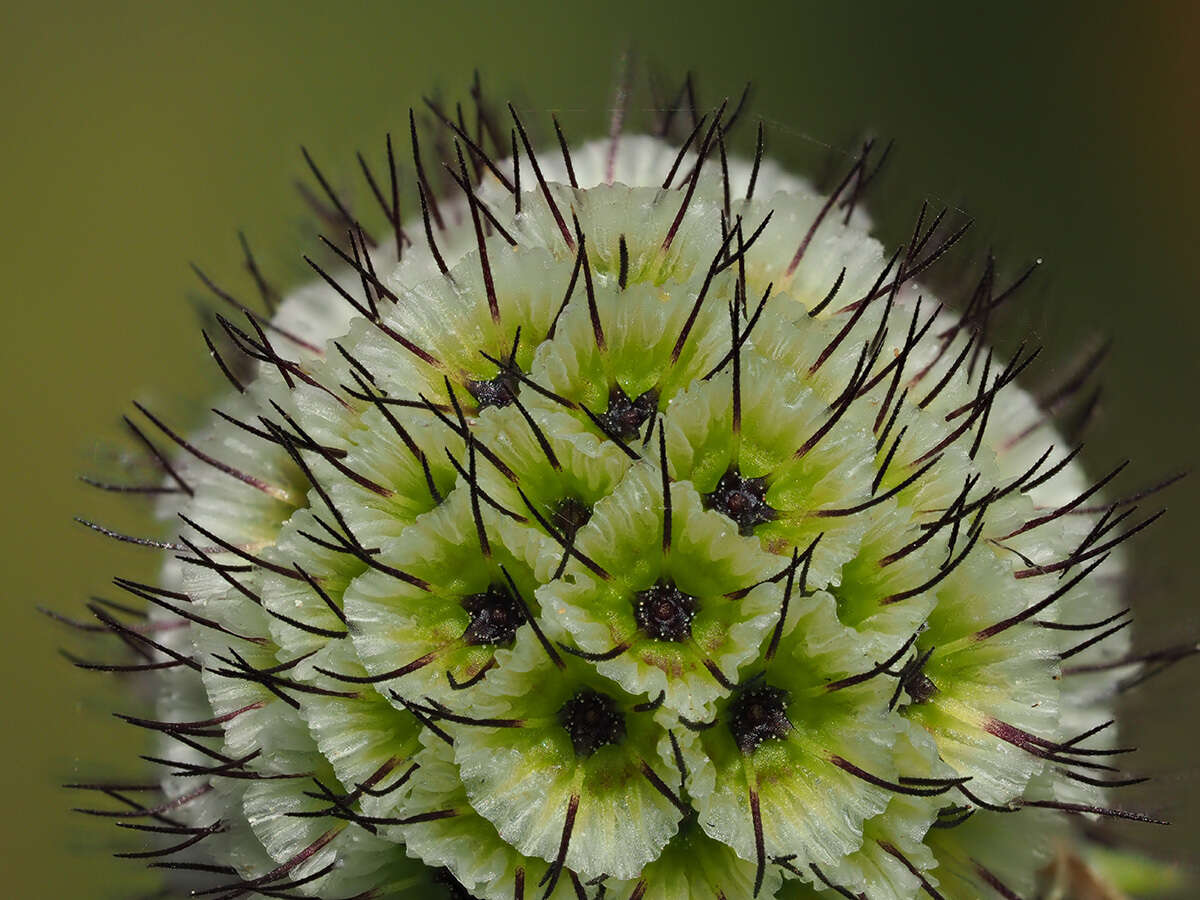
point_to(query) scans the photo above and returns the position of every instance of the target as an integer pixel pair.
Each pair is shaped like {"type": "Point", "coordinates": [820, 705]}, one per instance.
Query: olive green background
{"type": "Point", "coordinates": [138, 136]}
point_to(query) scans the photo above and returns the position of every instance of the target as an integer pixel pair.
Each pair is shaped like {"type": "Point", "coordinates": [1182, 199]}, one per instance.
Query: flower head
{"type": "Point", "coordinates": [631, 523]}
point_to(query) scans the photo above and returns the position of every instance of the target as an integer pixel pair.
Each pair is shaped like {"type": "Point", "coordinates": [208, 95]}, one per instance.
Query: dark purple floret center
{"type": "Point", "coordinates": [744, 500]}
{"type": "Point", "coordinates": [592, 720]}
{"type": "Point", "coordinates": [664, 612]}
{"type": "Point", "coordinates": [495, 616]}
{"type": "Point", "coordinates": [625, 417]}
{"type": "Point", "coordinates": [758, 714]}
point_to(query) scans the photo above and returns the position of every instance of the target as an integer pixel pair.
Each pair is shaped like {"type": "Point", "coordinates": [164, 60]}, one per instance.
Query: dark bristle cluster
{"type": "Point", "coordinates": [664, 612]}
{"type": "Point", "coordinates": [451, 889]}
{"type": "Point", "coordinates": [569, 516]}
{"type": "Point", "coordinates": [744, 500]}
{"type": "Point", "coordinates": [913, 680]}
{"type": "Point", "coordinates": [499, 391]}
{"type": "Point", "coordinates": [624, 417]}
{"type": "Point", "coordinates": [758, 714]}
{"type": "Point", "coordinates": [593, 721]}
{"type": "Point", "coordinates": [495, 616]}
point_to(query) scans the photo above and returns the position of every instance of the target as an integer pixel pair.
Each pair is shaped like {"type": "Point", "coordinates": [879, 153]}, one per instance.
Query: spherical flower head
{"type": "Point", "coordinates": [630, 523]}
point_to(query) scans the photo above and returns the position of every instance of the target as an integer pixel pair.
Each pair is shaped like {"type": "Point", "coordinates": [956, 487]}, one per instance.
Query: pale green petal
{"type": "Point", "coordinates": [695, 867]}
{"type": "Point", "coordinates": [1012, 847]}
{"type": "Point", "coordinates": [418, 631]}
{"type": "Point", "coordinates": [522, 779]}
{"type": "Point", "coordinates": [810, 805]}
{"type": "Point", "coordinates": [465, 842]}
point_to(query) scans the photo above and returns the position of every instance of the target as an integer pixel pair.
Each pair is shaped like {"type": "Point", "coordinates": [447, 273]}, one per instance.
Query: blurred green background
{"type": "Point", "coordinates": [139, 136]}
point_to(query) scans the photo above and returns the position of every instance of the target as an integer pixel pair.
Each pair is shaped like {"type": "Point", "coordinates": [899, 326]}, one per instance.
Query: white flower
{"type": "Point", "coordinates": [648, 528]}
